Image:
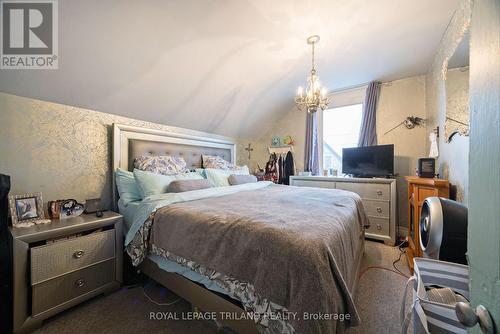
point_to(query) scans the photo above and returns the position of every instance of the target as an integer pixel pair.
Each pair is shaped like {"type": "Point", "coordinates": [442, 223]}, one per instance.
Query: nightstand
{"type": "Point", "coordinates": [61, 264]}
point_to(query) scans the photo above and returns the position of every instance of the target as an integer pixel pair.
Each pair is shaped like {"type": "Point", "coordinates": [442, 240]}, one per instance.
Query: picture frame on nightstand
{"type": "Point", "coordinates": [26, 209]}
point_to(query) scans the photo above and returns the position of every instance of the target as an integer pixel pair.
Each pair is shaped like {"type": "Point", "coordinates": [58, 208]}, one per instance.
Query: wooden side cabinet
{"type": "Point", "coordinates": [418, 190]}
{"type": "Point", "coordinates": [61, 264]}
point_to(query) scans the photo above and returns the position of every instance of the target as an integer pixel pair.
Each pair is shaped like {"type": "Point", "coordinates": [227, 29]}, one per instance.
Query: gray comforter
{"type": "Point", "coordinates": [295, 247]}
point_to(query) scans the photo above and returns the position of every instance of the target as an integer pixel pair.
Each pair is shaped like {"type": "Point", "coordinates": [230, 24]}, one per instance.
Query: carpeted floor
{"type": "Point", "coordinates": [378, 299]}
{"type": "Point", "coordinates": [380, 292]}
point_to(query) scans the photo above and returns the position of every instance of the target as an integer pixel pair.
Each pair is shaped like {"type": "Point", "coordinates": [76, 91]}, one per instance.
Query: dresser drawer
{"type": "Point", "coordinates": [367, 190]}
{"type": "Point", "coordinates": [52, 260]}
{"type": "Point", "coordinates": [376, 208]}
{"type": "Point", "coordinates": [56, 291]}
{"type": "Point", "coordinates": [379, 226]}
{"type": "Point", "coordinates": [317, 184]}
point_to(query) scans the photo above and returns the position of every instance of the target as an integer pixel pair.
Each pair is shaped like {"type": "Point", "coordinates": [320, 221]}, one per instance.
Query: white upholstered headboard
{"type": "Point", "coordinates": [130, 142]}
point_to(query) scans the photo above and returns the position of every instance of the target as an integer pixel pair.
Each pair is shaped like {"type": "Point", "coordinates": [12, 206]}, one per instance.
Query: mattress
{"type": "Point", "coordinates": [278, 259]}
{"type": "Point", "coordinates": [128, 211]}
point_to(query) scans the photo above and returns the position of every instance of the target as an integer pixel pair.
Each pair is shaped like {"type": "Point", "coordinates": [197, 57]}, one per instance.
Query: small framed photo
{"type": "Point", "coordinates": [26, 209]}
{"type": "Point", "coordinates": [276, 141]}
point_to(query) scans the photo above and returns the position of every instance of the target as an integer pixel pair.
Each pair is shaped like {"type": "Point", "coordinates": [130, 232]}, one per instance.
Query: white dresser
{"type": "Point", "coordinates": [378, 195]}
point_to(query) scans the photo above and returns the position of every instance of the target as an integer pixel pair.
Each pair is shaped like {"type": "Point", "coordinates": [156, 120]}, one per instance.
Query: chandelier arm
{"type": "Point", "coordinates": [313, 69]}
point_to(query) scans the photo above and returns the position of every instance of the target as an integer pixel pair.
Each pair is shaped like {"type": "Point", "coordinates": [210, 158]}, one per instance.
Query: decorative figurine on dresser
{"type": "Point", "coordinates": [63, 263]}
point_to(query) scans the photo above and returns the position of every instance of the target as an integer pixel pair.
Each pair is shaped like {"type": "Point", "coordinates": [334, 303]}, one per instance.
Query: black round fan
{"type": "Point", "coordinates": [443, 230]}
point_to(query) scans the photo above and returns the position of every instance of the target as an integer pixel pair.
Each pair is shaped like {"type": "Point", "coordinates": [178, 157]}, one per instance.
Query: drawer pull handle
{"type": "Point", "coordinates": [80, 283]}
{"type": "Point", "coordinates": [79, 253]}
{"type": "Point", "coordinates": [379, 192]}
{"type": "Point", "coordinates": [379, 227]}
{"type": "Point", "coordinates": [379, 210]}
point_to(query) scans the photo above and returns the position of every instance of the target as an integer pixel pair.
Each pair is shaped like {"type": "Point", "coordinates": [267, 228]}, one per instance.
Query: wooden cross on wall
{"type": "Point", "coordinates": [249, 149]}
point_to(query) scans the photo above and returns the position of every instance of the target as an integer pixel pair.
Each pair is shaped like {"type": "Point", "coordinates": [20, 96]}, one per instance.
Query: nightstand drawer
{"type": "Point", "coordinates": [52, 260]}
{"type": "Point", "coordinates": [56, 291]}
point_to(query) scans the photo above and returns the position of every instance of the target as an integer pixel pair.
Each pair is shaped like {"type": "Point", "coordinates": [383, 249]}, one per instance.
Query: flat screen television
{"type": "Point", "coordinates": [368, 161]}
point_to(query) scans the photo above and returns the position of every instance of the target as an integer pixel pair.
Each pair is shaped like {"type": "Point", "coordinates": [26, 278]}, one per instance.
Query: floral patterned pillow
{"type": "Point", "coordinates": [161, 164]}
{"type": "Point", "coordinates": [215, 162]}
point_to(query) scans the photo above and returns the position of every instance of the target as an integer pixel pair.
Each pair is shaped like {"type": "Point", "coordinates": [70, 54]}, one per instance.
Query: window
{"type": "Point", "coordinates": [340, 129]}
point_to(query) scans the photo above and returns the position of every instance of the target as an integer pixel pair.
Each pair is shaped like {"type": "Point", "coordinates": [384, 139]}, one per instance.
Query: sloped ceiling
{"type": "Point", "coordinates": [229, 67]}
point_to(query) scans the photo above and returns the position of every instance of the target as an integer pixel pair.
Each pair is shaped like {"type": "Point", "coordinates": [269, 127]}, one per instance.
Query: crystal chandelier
{"type": "Point", "coordinates": [314, 97]}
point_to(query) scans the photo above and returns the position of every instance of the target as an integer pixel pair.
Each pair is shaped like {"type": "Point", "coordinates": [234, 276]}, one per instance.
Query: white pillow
{"type": "Point", "coordinates": [220, 177]}
{"type": "Point", "coordinates": [154, 184]}
{"type": "Point", "coordinates": [243, 170]}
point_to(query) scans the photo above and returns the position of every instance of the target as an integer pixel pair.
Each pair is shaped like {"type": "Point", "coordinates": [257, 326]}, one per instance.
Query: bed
{"type": "Point", "coordinates": [264, 258]}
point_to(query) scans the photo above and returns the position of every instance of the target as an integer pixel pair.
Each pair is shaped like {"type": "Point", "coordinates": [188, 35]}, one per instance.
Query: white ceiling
{"type": "Point", "coordinates": [229, 67]}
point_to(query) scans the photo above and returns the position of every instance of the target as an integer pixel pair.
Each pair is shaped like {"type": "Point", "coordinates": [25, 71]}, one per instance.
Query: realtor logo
{"type": "Point", "coordinates": [29, 34]}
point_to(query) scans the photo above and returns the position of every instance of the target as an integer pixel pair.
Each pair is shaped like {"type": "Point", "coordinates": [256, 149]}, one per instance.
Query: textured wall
{"type": "Point", "coordinates": [398, 100]}
{"type": "Point", "coordinates": [60, 150]}
{"type": "Point", "coordinates": [294, 125]}
{"type": "Point", "coordinates": [453, 158]}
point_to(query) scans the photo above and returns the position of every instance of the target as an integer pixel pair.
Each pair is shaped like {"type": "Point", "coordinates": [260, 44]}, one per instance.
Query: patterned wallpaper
{"type": "Point", "coordinates": [453, 156]}
{"type": "Point", "coordinates": [64, 151]}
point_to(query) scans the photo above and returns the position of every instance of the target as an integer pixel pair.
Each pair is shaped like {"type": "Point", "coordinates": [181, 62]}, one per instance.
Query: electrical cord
{"type": "Point", "coordinates": [382, 268]}
{"type": "Point", "coordinates": [158, 303]}
{"type": "Point", "coordinates": [395, 270]}
{"type": "Point", "coordinates": [401, 252]}
{"type": "Point", "coordinates": [397, 260]}
{"type": "Point", "coordinates": [400, 244]}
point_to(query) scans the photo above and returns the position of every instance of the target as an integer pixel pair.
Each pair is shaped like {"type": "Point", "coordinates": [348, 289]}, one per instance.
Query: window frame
{"type": "Point", "coordinates": [339, 98]}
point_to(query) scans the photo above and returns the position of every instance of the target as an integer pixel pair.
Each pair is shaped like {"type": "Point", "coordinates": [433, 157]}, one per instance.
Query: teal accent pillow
{"type": "Point", "coordinates": [155, 184]}
{"type": "Point", "coordinates": [201, 171]}
{"type": "Point", "coordinates": [127, 187]}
